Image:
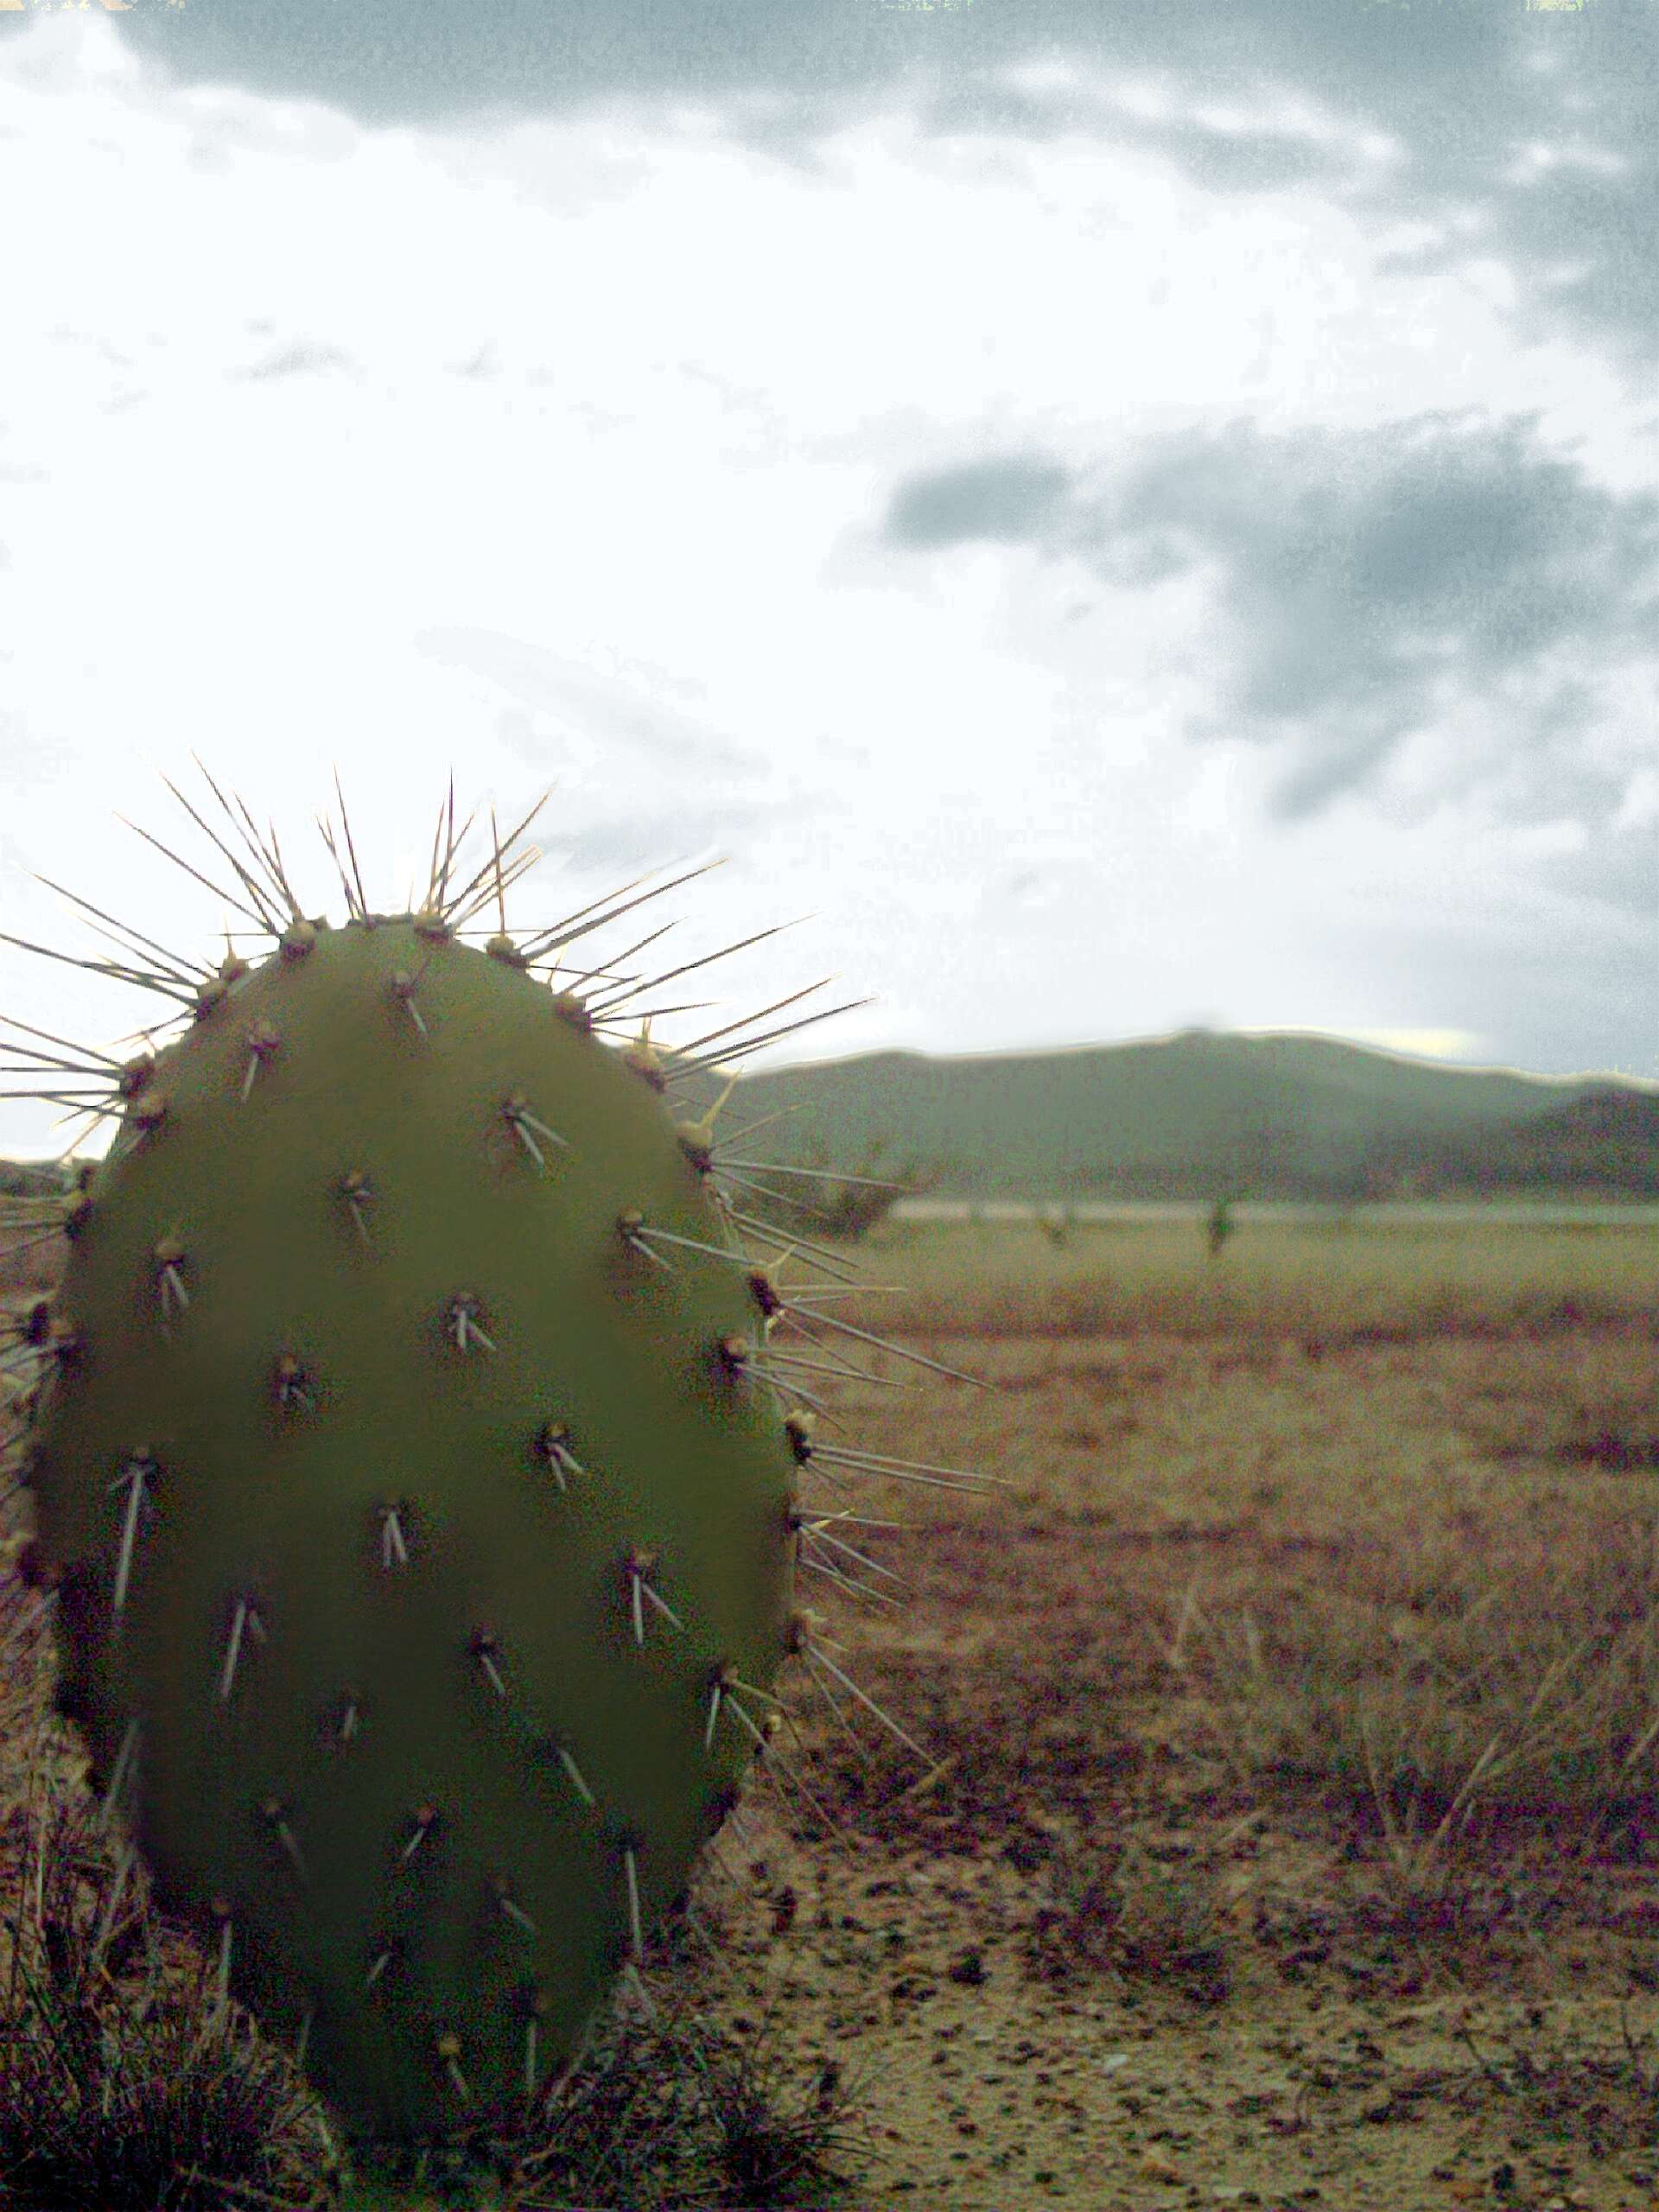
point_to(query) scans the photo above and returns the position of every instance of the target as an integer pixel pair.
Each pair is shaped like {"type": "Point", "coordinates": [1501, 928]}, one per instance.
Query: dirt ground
{"type": "Point", "coordinates": [1098, 1958]}
{"type": "Point", "coordinates": [1390, 2081]}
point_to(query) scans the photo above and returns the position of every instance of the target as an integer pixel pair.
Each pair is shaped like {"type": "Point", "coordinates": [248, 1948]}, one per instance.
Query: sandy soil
{"type": "Point", "coordinates": [1310, 2072]}
{"type": "Point", "coordinates": [1093, 1959]}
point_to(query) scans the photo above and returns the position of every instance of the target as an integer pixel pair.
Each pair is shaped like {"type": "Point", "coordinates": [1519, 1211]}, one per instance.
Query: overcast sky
{"type": "Point", "coordinates": [1126, 516]}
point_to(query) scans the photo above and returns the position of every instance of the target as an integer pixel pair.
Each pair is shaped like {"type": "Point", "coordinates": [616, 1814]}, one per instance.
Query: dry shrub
{"type": "Point", "coordinates": [1122, 1908]}
{"type": "Point", "coordinates": [1450, 1695]}
{"type": "Point", "coordinates": [674, 2112]}
{"type": "Point", "coordinates": [1605, 2099]}
{"type": "Point", "coordinates": [121, 2081]}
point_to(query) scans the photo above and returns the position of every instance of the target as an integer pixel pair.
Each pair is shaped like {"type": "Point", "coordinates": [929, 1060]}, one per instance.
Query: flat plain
{"type": "Point", "coordinates": [1284, 1828]}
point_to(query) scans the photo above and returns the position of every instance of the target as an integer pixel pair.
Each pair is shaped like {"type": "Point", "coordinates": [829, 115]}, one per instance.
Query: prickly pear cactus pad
{"type": "Point", "coordinates": [415, 1488]}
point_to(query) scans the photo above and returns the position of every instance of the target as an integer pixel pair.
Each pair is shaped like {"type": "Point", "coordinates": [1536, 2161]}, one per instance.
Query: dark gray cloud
{"type": "Point", "coordinates": [1259, 156]}
{"type": "Point", "coordinates": [1466, 90]}
{"type": "Point", "coordinates": [1371, 582]}
{"type": "Point", "coordinates": [422, 60]}
{"type": "Point", "coordinates": [1012, 498]}
{"type": "Point", "coordinates": [1464, 86]}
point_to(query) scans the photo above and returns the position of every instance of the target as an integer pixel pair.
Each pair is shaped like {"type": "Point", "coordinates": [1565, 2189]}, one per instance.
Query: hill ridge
{"type": "Point", "coordinates": [1188, 1113]}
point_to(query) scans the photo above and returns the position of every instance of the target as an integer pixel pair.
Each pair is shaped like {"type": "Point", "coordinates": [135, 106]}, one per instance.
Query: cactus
{"type": "Point", "coordinates": [417, 1493]}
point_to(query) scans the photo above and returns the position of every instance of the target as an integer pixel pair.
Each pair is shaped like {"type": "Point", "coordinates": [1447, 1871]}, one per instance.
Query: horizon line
{"type": "Point", "coordinates": [1618, 1076]}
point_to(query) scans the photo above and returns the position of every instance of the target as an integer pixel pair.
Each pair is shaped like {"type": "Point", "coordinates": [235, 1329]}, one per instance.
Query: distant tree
{"type": "Point", "coordinates": [847, 1203]}
{"type": "Point", "coordinates": [1219, 1227]}
{"type": "Point", "coordinates": [1055, 1222]}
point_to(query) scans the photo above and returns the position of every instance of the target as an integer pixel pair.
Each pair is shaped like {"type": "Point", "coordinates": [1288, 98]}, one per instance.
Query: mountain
{"type": "Point", "coordinates": [1199, 1114]}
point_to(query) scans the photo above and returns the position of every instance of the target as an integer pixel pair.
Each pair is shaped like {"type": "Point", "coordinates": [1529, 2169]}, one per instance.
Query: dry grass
{"type": "Point", "coordinates": [1332, 1284]}
{"type": "Point", "coordinates": [1120, 1909]}
{"type": "Point", "coordinates": [1607, 2099]}
{"type": "Point", "coordinates": [1405, 1565]}
{"type": "Point", "coordinates": [28, 1265]}
{"type": "Point", "coordinates": [121, 2081]}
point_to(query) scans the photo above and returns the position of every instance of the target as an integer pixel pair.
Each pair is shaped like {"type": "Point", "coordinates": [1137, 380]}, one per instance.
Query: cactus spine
{"type": "Point", "coordinates": [413, 1489]}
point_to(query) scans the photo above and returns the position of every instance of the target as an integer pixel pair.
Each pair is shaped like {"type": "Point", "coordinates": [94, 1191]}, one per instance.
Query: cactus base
{"type": "Point", "coordinates": [383, 2179]}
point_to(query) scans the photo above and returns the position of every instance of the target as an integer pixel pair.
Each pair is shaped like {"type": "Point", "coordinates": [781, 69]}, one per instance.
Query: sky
{"type": "Point", "coordinates": [1107, 519]}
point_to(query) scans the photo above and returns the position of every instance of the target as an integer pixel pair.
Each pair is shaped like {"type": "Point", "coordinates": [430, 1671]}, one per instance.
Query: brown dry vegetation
{"type": "Point", "coordinates": [1291, 1831]}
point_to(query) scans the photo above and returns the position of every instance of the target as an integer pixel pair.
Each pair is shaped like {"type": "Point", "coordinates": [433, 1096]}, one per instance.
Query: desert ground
{"type": "Point", "coordinates": [1280, 1828]}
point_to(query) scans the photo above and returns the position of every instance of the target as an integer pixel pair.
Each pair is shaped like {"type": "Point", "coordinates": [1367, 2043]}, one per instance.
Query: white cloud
{"type": "Point", "coordinates": [1639, 808]}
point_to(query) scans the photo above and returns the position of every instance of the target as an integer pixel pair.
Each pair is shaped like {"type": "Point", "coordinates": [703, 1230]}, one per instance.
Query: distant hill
{"type": "Point", "coordinates": [1203, 1114]}
{"type": "Point", "coordinates": [28, 1179]}
{"type": "Point", "coordinates": [1603, 1140]}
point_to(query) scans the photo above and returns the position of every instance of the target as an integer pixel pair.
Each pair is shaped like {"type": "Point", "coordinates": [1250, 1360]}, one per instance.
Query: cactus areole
{"type": "Point", "coordinates": [417, 1506]}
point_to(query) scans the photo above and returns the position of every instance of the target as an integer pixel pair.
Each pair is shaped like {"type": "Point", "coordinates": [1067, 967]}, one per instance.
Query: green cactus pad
{"type": "Point", "coordinates": [423, 1540]}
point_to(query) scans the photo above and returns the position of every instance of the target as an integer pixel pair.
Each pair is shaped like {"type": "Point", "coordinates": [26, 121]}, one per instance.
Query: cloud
{"type": "Point", "coordinates": [639, 774]}
{"type": "Point", "coordinates": [299, 359]}
{"type": "Point", "coordinates": [1372, 581]}
{"type": "Point", "coordinates": [1524, 135]}
{"type": "Point", "coordinates": [1548, 988]}
{"type": "Point", "coordinates": [606, 707]}
{"type": "Point", "coordinates": [419, 61]}
{"type": "Point", "coordinates": [1011, 498]}
{"type": "Point", "coordinates": [1611, 878]}
{"type": "Point", "coordinates": [624, 843]}
{"type": "Point", "coordinates": [1264, 144]}
{"type": "Point", "coordinates": [482, 362]}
